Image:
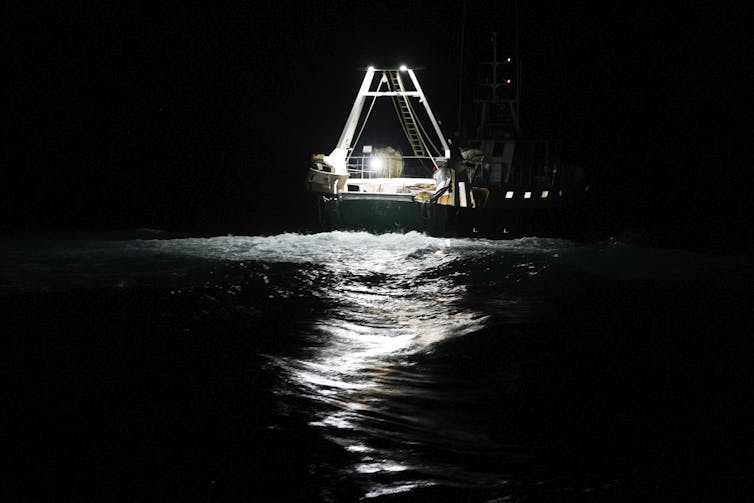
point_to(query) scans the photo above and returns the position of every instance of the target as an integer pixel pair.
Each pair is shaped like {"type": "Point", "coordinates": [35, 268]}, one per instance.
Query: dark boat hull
{"type": "Point", "coordinates": [502, 218]}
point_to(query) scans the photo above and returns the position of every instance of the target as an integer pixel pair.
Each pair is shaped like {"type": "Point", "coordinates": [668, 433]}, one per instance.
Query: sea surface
{"type": "Point", "coordinates": [145, 366]}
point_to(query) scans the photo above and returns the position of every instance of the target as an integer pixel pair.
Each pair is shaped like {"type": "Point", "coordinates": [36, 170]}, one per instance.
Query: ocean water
{"type": "Point", "coordinates": [356, 367]}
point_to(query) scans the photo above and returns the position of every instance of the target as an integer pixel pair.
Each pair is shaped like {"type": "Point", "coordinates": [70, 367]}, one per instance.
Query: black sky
{"type": "Point", "coordinates": [194, 116]}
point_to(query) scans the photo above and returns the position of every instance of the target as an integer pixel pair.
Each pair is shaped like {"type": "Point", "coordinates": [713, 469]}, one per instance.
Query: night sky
{"type": "Point", "coordinates": [201, 118]}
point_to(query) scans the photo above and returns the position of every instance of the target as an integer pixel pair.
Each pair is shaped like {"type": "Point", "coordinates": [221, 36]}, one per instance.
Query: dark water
{"type": "Point", "coordinates": [349, 366]}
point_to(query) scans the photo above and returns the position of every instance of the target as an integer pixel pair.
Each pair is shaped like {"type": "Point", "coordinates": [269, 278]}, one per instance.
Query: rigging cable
{"type": "Point", "coordinates": [363, 124]}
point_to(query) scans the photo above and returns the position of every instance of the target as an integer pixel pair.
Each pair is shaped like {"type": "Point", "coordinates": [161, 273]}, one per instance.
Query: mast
{"type": "Point", "coordinates": [518, 65]}
{"type": "Point", "coordinates": [460, 71]}
{"type": "Point", "coordinates": [499, 114]}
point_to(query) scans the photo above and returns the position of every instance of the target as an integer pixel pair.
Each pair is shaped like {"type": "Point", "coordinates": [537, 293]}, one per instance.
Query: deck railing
{"type": "Point", "coordinates": [409, 166]}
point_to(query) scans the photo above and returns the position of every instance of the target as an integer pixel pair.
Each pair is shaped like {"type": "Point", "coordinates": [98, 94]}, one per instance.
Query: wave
{"type": "Point", "coordinates": [44, 262]}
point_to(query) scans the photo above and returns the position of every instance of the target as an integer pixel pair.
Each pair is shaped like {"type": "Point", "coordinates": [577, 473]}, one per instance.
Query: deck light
{"type": "Point", "coordinates": [403, 68]}
{"type": "Point", "coordinates": [376, 163]}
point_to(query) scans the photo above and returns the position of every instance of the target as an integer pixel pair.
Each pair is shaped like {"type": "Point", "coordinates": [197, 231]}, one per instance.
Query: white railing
{"type": "Point", "coordinates": [360, 166]}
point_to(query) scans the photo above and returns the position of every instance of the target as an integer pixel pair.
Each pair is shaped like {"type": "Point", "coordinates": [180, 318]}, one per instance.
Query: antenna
{"type": "Point", "coordinates": [460, 69]}
{"type": "Point", "coordinates": [518, 62]}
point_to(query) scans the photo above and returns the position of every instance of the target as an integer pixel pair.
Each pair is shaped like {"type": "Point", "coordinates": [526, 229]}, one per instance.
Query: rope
{"type": "Point", "coordinates": [425, 135]}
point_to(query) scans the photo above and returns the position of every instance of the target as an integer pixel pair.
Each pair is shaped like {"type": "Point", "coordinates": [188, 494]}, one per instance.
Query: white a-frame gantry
{"type": "Point", "coordinates": [418, 138]}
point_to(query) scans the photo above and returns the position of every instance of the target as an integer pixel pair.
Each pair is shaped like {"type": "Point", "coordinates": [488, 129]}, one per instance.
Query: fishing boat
{"type": "Point", "coordinates": [523, 184]}
{"type": "Point", "coordinates": [496, 184]}
{"type": "Point", "coordinates": [392, 187]}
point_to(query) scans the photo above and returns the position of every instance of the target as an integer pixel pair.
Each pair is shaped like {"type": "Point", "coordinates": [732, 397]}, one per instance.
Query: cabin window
{"type": "Point", "coordinates": [509, 194]}
{"type": "Point", "coordinates": [527, 195]}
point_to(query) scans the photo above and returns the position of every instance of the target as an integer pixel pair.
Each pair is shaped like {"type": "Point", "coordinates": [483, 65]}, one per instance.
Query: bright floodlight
{"type": "Point", "coordinates": [403, 68]}
{"type": "Point", "coordinates": [371, 68]}
{"type": "Point", "coordinates": [376, 163]}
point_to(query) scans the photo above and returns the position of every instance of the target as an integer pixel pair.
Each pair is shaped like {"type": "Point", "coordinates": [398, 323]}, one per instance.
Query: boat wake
{"type": "Point", "coordinates": [431, 365]}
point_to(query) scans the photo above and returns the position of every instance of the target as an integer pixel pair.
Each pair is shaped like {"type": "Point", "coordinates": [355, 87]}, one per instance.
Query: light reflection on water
{"type": "Point", "coordinates": [381, 322]}
{"type": "Point", "coordinates": [369, 395]}
{"type": "Point", "coordinates": [388, 300]}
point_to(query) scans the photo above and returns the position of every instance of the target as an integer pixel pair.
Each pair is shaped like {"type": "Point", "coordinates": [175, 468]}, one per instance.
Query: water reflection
{"type": "Point", "coordinates": [384, 346]}
{"type": "Point", "coordinates": [372, 364]}
{"type": "Point", "coordinates": [369, 394]}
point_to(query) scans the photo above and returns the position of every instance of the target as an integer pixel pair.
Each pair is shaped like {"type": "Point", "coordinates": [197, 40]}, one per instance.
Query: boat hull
{"type": "Point", "coordinates": [502, 218]}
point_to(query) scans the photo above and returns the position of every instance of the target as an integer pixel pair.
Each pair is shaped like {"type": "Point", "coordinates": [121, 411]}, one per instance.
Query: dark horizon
{"type": "Point", "coordinates": [196, 119]}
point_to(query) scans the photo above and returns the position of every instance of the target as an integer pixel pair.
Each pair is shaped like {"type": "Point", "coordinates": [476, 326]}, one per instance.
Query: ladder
{"type": "Point", "coordinates": [406, 116]}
